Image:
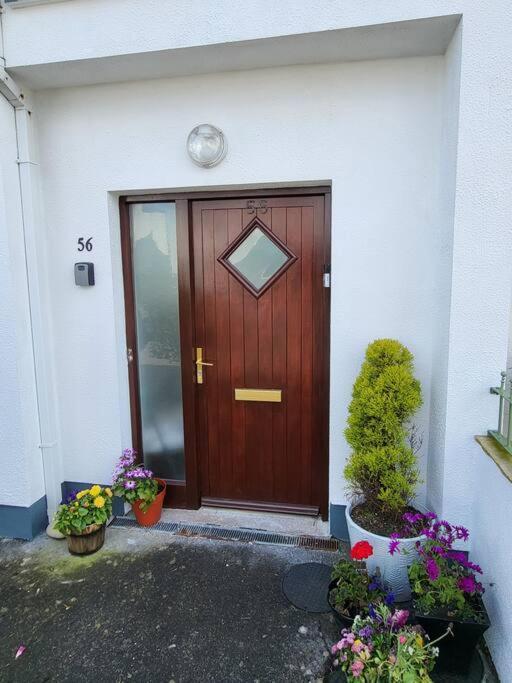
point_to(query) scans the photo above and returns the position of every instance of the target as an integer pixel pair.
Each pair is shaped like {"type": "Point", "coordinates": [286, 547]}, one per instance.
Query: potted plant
{"type": "Point", "coordinates": [82, 518]}
{"type": "Point", "coordinates": [446, 589]}
{"type": "Point", "coordinates": [352, 590]}
{"type": "Point", "coordinates": [139, 487]}
{"type": "Point", "coordinates": [382, 647]}
{"type": "Point", "coordinates": [382, 470]}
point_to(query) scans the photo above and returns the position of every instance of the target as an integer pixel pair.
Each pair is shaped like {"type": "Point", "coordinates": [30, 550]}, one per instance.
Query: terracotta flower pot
{"type": "Point", "coordinates": [89, 541]}
{"type": "Point", "coordinates": [152, 515]}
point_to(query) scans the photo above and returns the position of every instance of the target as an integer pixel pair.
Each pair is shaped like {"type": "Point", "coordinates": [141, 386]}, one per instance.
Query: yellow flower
{"type": "Point", "coordinates": [108, 492]}
{"type": "Point", "coordinates": [99, 501]}
{"type": "Point", "coordinates": [81, 494]}
{"type": "Point", "coordinates": [95, 490]}
{"type": "Point", "coordinates": [76, 503]}
{"type": "Point", "coordinates": [419, 640]}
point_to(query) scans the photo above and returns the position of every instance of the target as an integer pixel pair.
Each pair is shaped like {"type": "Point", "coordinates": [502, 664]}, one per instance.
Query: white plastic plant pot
{"type": "Point", "coordinates": [393, 568]}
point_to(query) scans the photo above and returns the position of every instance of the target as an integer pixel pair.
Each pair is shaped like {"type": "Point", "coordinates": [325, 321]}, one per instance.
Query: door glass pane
{"type": "Point", "coordinates": [257, 258]}
{"type": "Point", "coordinates": [155, 273]}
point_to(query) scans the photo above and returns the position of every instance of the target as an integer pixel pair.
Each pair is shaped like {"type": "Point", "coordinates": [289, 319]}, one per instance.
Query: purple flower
{"type": "Point", "coordinates": [366, 632]}
{"type": "Point", "coordinates": [462, 533]}
{"type": "Point", "coordinates": [394, 543]}
{"type": "Point", "coordinates": [371, 611]}
{"type": "Point", "coordinates": [129, 484]}
{"type": "Point", "coordinates": [471, 565]}
{"type": "Point", "coordinates": [467, 584]}
{"type": "Point", "coordinates": [389, 599]}
{"type": "Point", "coordinates": [70, 497]}
{"type": "Point", "coordinates": [432, 569]}
{"type": "Point", "coordinates": [438, 550]}
{"type": "Point", "coordinates": [456, 555]}
{"type": "Point", "coordinates": [373, 586]}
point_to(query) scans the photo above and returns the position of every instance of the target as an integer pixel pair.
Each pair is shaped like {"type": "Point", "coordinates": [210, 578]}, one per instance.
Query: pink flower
{"type": "Point", "coordinates": [399, 618]}
{"type": "Point", "coordinates": [402, 639]}
{"type": "Point", "coordinates": [20, 651]}
{"type": "Point", "coordinates": [357, 668]}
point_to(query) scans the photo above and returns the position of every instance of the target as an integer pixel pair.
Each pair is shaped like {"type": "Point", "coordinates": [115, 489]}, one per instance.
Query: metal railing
{"type": "Point", "coordinates": [503, 434]}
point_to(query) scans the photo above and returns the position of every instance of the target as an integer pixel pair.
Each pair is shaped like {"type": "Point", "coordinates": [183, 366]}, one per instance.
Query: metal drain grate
{"type": "Point", "coordinates": [170, 527]}
{"type": "Point", "coordinates": [242, 535]}
{"type": "Point", "coordinates": [318, 543]}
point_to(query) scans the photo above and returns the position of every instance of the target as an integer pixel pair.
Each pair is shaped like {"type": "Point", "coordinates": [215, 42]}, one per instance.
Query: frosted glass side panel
{"type": "Point", "coordinates": [155, 274]}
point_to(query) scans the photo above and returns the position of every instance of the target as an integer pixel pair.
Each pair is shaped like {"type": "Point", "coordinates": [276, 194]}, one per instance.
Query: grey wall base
{"type": "Point", "coordinates": [23, 522]}
{"type": "Point", "coordinates": [68, 486]}
{"type": "Point", "coordinates": [337, 522]}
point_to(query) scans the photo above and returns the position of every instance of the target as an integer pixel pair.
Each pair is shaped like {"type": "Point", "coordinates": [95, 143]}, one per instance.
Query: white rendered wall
{"type": "Point", "coordinates": [492, 549]}
{"type": "Point", "coordinates": [447, 180]}
{"type": "Point", "coordinates": [482, 251]}
{"type": "Point", "coordinates": [81, 29]}
{"type": "Point", "coordinates": [373, 128]}
{"type": "Point", "coordinates": [21, 483]}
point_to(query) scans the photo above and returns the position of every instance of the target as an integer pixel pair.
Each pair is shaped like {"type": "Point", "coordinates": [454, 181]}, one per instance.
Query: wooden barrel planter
{"type": "Point", "coordinates": [89, 541]}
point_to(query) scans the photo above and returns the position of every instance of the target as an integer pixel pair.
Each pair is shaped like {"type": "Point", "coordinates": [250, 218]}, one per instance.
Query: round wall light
{"type": "Point", "coordinates": [206, 145]}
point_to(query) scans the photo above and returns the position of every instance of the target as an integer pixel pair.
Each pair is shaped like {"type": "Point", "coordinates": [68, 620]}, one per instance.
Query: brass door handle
{"type": "Point", "coordinates": [199, 365]}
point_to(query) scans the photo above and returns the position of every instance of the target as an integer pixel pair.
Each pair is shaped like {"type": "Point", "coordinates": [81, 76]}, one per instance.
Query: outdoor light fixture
{"type": "Point", "coordinates": [206, 145]}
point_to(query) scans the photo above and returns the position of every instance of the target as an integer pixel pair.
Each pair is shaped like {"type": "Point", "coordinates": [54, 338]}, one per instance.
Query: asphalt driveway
{"type": "Point", "coordinates": [156, 607]}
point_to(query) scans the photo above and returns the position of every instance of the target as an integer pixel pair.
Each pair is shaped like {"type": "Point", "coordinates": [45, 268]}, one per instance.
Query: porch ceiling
{"type": "Point", "coordinates": [415, 38]}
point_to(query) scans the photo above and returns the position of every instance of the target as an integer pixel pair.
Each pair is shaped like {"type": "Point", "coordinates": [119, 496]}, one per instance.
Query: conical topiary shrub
{"type": "Point", "coordinates": [382, 469]}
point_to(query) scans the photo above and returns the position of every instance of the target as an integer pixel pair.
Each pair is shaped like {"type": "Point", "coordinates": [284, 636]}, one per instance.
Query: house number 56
{"type": "Point", "coordinates": [84, 244]}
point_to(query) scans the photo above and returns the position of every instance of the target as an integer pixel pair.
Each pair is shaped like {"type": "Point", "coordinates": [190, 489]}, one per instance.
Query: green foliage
{"type": "Point", "coordinates": [383, 647]}
{"type": "Point", "coordinates": [445, 590]}
{"type": "Point", "coordinates": [145, 490]}
{"type": "Point", "coordinates": [90, 506]}
{"type": "Point", "coordinates": [355, 590]}
{"type": "Point", "coordinates": [382, 467]}
{"type": "Point", "coordinates": [385, 477]}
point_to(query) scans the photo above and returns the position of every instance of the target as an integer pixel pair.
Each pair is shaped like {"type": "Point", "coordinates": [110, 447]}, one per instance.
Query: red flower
{"type": "Point", "coordinates": [361, 550]}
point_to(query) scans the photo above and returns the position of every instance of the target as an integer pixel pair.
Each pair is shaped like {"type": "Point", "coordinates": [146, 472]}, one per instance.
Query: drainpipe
{"type": "Point", "coordinates": [38, 294]}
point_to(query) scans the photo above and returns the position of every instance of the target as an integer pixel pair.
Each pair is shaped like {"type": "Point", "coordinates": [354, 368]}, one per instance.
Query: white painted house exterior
{"type": "Point", "coordinates": [402, 108]}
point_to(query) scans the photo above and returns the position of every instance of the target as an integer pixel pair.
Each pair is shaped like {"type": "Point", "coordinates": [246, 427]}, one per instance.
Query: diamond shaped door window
{"type": "Point", "coordinates": [257, 257]}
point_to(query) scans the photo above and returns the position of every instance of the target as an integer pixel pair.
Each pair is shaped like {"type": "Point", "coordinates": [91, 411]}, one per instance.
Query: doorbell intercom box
{"type": "Point", "coordinates": [84, 274]}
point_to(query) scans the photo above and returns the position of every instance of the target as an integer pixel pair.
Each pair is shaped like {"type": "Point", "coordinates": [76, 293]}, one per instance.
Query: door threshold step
{"type": "Point", "coordinates": [242, 535]}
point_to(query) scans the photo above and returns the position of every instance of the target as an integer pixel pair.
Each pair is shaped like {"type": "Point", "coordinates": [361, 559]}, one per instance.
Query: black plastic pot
{"type": "Point", "coordinates": [455, 652]}
{"type": "Point", "coordinates": [341, 620]}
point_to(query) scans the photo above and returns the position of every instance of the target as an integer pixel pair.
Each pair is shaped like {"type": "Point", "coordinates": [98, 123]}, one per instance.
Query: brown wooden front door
{"type": "Point", "coordinates": [260, 312]}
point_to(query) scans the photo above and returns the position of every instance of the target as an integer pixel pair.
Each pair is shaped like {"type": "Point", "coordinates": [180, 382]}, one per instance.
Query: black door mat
{"type": "Point", "coordinates": [306, 586]}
